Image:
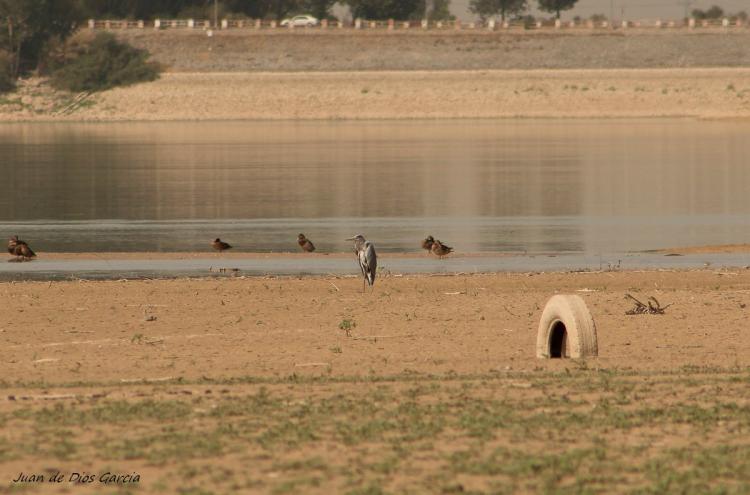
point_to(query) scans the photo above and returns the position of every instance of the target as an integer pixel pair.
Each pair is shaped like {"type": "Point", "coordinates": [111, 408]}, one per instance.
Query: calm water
{"type": "Point", "coordinates": [595, 187]}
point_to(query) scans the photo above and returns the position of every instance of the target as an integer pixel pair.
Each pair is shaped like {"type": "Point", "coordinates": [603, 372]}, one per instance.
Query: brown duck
{"type": "Point", "coordinates": [20, 249]}
{"type": "Point", "coordinates": [427, 243]}
{"type": "Point", "coordinates": [440, 249]}
{"type": "Point", "coordinates": [220, 245]}
{"type": "Point", "coordinates": [305, 243]}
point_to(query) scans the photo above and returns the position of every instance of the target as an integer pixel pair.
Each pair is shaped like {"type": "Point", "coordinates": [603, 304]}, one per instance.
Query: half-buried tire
{"type": "Point", "coordinates": [566, 329]}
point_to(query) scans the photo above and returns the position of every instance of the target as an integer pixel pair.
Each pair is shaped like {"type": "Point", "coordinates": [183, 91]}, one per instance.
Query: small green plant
{"type": "Point", "coordinates": [137, 338]}
{"type": "Point", "coordinates": [103, 64]}
{"type": "Point", "coordinates": [347, 326]}
{"type": "Point", "coordinates": [336, 349]}
{"type": "Point", "coordinates": [365, 91]}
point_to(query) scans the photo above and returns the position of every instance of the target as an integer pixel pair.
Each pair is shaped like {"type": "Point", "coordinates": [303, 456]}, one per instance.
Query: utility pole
{"type": "Point", "coordinates": [686, 4]}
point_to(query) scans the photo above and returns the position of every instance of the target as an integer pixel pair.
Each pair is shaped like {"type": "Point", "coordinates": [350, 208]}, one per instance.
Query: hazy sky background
{"type": "Point", "coordinates": [633, 9]}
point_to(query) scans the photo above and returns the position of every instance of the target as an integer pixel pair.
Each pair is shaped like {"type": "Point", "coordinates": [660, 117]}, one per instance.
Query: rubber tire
{"type": "Point", "coordinates": [580, 330]}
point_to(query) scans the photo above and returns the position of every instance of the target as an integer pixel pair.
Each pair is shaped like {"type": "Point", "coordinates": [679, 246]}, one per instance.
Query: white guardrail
{"type": "Point", "coordinates": [391, 25]}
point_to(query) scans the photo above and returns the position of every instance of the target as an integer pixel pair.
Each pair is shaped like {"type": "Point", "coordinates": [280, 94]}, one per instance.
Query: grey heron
{"type": "Point", "coordinates": [368, 259]}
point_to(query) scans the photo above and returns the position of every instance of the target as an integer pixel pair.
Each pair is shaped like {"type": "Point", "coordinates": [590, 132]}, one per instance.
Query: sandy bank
{"type": "Point", "coordinates": [701, 93]}
{"type": "Point", "coordinates": [239, 255]}
{"type": "Point", "coordinates": [99, 331]}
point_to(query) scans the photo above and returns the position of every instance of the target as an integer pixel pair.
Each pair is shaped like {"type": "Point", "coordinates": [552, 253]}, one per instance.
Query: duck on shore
{"type": "Point", "coordinates": [439, 249]}
{"type": "Point", "coordinates": [20, 249]}
{"type": "Point", "coordinates": [305, 243]}
{"type": "Point", "coordinates": [220, 245]}
{"type": "Point", "coordinates": [427, 243]}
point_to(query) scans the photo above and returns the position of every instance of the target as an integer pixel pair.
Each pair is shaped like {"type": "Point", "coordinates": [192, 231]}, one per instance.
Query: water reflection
{"type": "Point", "coordinates": [590, 186]}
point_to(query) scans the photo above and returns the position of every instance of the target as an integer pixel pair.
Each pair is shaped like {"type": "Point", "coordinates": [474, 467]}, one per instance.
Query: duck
{"type": "Point", "coordinates": [440, 249]}
{"type": "Point", "coordinates": [220, 245]}
{"type": "Point", "coordinates": [305, 243]}
{"type": "Point", "coordinates": [427, 243]}
{"type": "Point", "coordinates": [20, 249]}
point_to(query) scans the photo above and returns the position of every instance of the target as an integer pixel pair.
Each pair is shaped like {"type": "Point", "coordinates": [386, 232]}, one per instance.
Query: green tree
{"type": "Point", "coordinates": [386, 9]}
{"type": "Point", "coordinates": [6, 81]}
{"type": "Point", "coordinates": [433, 10]}
{"type": "Point", "coordinates": [28, 26]}
{"type": "Point", "coordinates": [556, 6]}
{"type": "Point", "coordinates": [714, 12]}
{"type": "Point", "coordinates": [317, 8]}
{"type": "Point", "coordinates": [146, 9]}
{"type": "Point", "coordinates": [490, 8]}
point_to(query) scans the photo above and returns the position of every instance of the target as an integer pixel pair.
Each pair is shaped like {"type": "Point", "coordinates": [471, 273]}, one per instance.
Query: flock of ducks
{"type": "Point", "coordinates": [430, 244]}
{"type": "Point", "coordinates": [363, 249]}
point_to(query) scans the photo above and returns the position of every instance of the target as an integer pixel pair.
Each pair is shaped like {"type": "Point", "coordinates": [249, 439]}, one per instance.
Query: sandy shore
{"type": "Point", "coordinates": [230, 255]}
{"type": "Point", "coordinates": [701, 93]}
{"type": "Point", "coordinates": [273, 327]}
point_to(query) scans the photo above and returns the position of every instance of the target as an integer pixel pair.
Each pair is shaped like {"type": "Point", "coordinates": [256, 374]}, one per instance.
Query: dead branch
{"type": "Point", "coordinates": [653, 306]}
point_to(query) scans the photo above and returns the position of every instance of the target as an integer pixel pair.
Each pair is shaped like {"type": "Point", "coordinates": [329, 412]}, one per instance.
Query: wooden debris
{"type": "Point", "coordinates": [652, 308]}
{"type": "Point", "coordinates": [77, 102]}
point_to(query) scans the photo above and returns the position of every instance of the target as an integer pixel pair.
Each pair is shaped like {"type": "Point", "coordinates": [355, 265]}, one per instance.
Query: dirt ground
{"type": "Point", "coordinates": [701, 93]}
{"type": "Point", "coordinates": [60, 332]}
{"type": "Point", "coordinates": [426, 384]}
{"type": "Point", "coordinates": [244, 74]}
{"type": "Point", "coordinates": [247, 50]}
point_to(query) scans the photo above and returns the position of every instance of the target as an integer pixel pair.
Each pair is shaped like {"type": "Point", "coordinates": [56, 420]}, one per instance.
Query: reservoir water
{"type": "Point", "coordinates": [595, 187]}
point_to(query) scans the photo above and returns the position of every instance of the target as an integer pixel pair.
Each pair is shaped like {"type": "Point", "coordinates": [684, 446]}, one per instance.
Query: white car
{"type": "Point", "coordinates": [300, 21]}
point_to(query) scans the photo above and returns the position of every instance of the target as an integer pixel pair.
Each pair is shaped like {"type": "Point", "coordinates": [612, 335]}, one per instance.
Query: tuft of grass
{"type": "Point", "coordinates": [347, 325]}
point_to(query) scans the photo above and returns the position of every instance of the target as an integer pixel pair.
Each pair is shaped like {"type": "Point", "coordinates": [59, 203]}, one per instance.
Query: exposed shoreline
{"type": "Point", "coordinates": [295, 320]}
{"type": "Point", "coordinates": [234, 254]}
{"type": "Point", "coordinates": [378, 95]}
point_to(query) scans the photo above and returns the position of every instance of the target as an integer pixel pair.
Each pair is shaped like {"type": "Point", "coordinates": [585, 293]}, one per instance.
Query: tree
{"type": "Point", "coordinates": [386, 9]}
{"type": "Point", "coordinates": [489, 8]}
{"type": "Point", "coordinates": [433, 10]}
{"type": "Point", "coordinates": [714, 12]}
{"type": "Point", "coordinates": [556, 6]}
{"type": "Point", "coordinates": [27, 27]}
{"type": "Point", "coordinates": [317, 8]}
